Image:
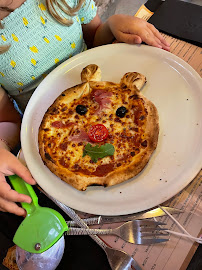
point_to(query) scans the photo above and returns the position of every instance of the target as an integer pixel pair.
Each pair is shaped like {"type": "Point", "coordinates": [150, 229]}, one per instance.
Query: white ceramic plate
{"type": "Point", "coordinates": [172, 85]}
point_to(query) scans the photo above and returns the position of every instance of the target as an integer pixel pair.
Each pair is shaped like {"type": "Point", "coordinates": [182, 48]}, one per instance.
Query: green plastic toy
{"type": "Point", "coordinates": [42, 227]}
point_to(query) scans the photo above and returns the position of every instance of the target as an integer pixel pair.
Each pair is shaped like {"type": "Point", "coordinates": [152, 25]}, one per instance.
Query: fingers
{"type": "Point", "coordinates": [129, 38]}
{"type": "Point", "coordinates": [9, 194]}
{"type": "Point", "coordinates": [161, 40]}
{"type": "Point", "coordinates": [158, 35]}
{"type": "Point", "coordinates": [134, 30]}
{"type": "Point", "coordinates": [10, 165]}
{"type": "Point", "coordinates": [24, 173]}
{"type": "Point", "coordinates": [8, 197]}
{"type": "Point", "coordinates": [151, 39]}
{"type": "Point", "coordinates": [11, 207]}
{"type": "Point", "coordinates": [135, 39]}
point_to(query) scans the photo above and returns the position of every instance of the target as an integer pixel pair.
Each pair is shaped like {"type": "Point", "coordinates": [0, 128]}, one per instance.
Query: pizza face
{"type": "Point", "coordinates": [99, 133]}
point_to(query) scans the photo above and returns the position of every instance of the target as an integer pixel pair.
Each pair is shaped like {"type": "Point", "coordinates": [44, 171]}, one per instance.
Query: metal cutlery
{"type": "Point", "coordinates": [157, 212]}
{"type": "Point", "coordinates": [141, 232]}
{"type": "Point", "coordinates": [118, 259]}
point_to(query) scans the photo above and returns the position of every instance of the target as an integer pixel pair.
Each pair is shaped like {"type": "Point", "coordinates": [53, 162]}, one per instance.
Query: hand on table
{"type": "Point", "coordinates": [10, 165]}
{"type": "Point", "coordinates": [134, 30]}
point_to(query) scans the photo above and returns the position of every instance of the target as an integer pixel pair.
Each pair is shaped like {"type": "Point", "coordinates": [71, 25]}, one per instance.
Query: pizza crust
{"type": "Point", "coordinates": [80, 181]}
{"type": "Point", "coordinates": [133, 80]}
{"type": "Point", "coordinates": [91, 73]}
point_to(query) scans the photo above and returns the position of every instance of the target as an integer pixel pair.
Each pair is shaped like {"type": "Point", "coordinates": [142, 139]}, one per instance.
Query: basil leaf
{"type": "Point", "coordinates": [97, 151]}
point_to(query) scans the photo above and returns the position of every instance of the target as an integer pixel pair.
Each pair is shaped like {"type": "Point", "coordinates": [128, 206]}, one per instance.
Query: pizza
{"type": "Point", "coordinates": [99, 132]}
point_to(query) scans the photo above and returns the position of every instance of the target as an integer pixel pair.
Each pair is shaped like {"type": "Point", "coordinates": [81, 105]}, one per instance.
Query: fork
{"type": "Point", "coordinates": [118, 259]}
{"type": "Point", "coordinates": [135, 232]}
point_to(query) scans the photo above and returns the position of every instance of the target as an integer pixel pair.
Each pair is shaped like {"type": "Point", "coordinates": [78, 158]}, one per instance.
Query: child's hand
{"type": "Point", "coordinates": [133, 30]}
{"type": "Point", "coordinates": [10, 165]}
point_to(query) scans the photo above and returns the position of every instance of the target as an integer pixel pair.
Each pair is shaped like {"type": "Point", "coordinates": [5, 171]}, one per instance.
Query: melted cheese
{"type": "Point", "coordinates": [126, 134]}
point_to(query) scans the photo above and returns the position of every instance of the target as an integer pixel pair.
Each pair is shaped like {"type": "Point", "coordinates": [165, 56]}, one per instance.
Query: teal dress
{"type": "Point", "coordinates": [38, 44]}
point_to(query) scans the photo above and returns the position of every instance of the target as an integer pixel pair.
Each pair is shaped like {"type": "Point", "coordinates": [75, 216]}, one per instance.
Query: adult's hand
{"type": "Point", "coordinates": [10, 165]}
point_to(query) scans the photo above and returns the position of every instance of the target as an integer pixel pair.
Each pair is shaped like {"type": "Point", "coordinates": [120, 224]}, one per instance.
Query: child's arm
{"type": "Point", "coordinates": [9, 164]}
{"type": "Point", "coordinates": [9, 122]}
{"type": "Point", "coordinates": [124, 28]}
{"type": "Point", "coordinates": [89, 31]}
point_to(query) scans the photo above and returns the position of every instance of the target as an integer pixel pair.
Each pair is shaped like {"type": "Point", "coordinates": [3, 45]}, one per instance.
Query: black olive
{"type": "Point", "coordinates": [81, 109]}
{"type": "Point", "coordinates": [121, 111]}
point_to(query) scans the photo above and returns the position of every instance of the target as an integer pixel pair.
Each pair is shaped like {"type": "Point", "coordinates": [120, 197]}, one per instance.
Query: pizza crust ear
{"type": "Point", "coordinates": [133, 80]}
{"type": "Point", "coordinates": [91, 73]}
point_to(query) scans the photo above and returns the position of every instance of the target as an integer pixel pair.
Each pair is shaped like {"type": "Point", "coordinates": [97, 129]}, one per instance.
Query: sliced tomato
{"type": "Point", "coordinates": [98, 133]}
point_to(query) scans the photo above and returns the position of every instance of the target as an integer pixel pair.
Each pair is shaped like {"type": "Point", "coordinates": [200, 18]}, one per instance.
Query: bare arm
{"type": "Point", "coordinates": [89, 31]}
{"type": "Point", "coordinates": [9, 121]}
{"type": "Point", "coordinates": [10, 132]}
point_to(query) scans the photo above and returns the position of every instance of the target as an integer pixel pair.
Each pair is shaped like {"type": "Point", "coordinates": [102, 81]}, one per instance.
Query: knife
{"type": "Point", "coordinates": [157, 212]}
{"type": "Point", "coordinates": [96, 220]}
